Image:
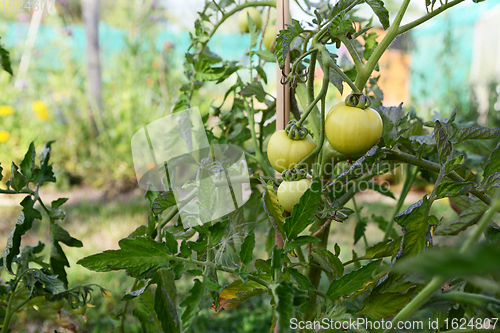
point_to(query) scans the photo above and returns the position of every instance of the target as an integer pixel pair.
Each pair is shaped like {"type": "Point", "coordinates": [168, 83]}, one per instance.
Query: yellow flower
{"type": "Point", "coordinates": [4, 136]}
{"type": "Point", "coordinates": [5, 110]}
{"type": "Point", "coordinates": [40, 110]}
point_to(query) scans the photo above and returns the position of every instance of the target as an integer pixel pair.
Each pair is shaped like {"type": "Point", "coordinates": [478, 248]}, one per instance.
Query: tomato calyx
{"type": "Point", "coordinates": [294, 132]}
{"type": "Point", "coordinates": [294, 174]}
{"type": "Point", "coordinates": [360, 101]}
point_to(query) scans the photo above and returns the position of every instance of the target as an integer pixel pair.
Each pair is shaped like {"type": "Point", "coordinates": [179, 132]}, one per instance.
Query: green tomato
{"type": "Point", "coordinates": [289, 193]}
{"type": "Point", "coordinates": [80, 310]}
{"type": "Point", "coordinates": [243, 19]}
{"type": "Point", "coordinates": [284, 153]}
{"type": "Point", "coordinates": [57, 304]}
{"type": "Point", "coordinates": [269, 39]}
{"type": "Point", "coordinates": [351, 130]}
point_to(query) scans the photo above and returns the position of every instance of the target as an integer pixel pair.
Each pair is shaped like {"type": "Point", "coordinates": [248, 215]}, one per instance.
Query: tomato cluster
{"type": "Point", "coordinates": [351, 129]}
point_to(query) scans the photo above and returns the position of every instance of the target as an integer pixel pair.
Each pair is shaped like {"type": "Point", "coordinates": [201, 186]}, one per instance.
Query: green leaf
{"type": "Point", "coordinates": [442, 139]}
{"type": "Point", "coordinates": [370, 44]}
{"type": "Point", "coordinates": [262, 73]}
{"type": "Point", "coordinates": [493, 163]}
{"type": "Point", "coordinates": [204, 72]}
{"type": "Point", "coordinates": [381, 12]}
{"type": "Point", "coordinates": [303, 212]}
{"type": "Point", "coordinates": [300, 241]}
{"type": "Point", "coordinates": [273, 209]}
{"type": "Point", "coordinates": [51, 284]}
{"type": "Point", "coordinates": [467, 218]}
{"type": "Point", "coordinates": [285, 39]}
{"type": "Point", "coordinates": [477, 133]}
{"type": "Point", "coordinates": [330, 262]}
{"type": "Point", "coordinates": [454, 163]}
{"type": "Point", "coordinates": [492, 234]}
{"type": "Point", "coordinates": [266, 55]}
{"type": "Point", "coordinates": [44, 172]}
{"type": "Point", "coordinates": [480, 260]}
{"type": "Point", "coordinates": [23, 224]}
{"type": "Point", "coordinates": [335, 78]}
{"type": "Point", "coordinates": [493, 180]}
{"type": "Point", "coordinates": [163, 201]}
{"type": "Point", "coordinates": [386, 305]}
{"type": "Point", "coordinates": [136, 255]}
{"type": "Point", "coordinates": [58, 203]}
{"type": "Point", "coordinates": [238, 292]}
{"type": "Point", "coordinates": [58, 259]}
{"type": "Point", "coordinates": [164, 303]}
{"type": "Point", "coordinates": [247, 248]}
{"type": "Point", "coordinates": [28, 163]}
{"type": "Point", "coordinates": [192, 304]}
{"type": "Point", "coordinates": [276, 259]}
{"type": "Point", "coordinates": [302, 280]}
{"type": "Point", "coordinates": [254, 89]}
{"type": "Point", "coordinates": [352, 282]}
{"type": "Point", "coordinates": [185, 250]}
{"type": "Point", "coordinates": [415, 224]}
{"type": "Point", "coordinates": [283, 300]}
{"type": "Point", "coordinates": [386, 248]}
{"type": "Point", "coordinates": [453, 189]}
{"type": "Point", "coordinates": [359, 231]}
{"type": "Point", "coordinates": [171, 242]}
{"type": "Point", "coordinates": [252, 29]}
{"type": "Point", "coordinates": [138, 292]}
{"type": "Point", "coordinates": [17, 180]}
{"type": "Point", "coordinates": [382, 225]}
{"type": "Point", "coordinates": [5, 60]}
{"type": "Point", "coordinates": [144, 312]}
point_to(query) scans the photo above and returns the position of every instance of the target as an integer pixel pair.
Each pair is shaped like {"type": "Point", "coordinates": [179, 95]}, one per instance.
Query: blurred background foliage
{"type": "Point", "coordinates": [143, 43]}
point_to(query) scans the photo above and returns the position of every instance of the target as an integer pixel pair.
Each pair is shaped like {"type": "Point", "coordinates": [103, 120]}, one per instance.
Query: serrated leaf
{"type": "Point", "coordinates": [171, 242]}
{"type": "Point", "coordinates": [285, 39]}
{"type": "Point", "coordinates": [352, 282]}
{"type": "Point", "coordinates": [415, 224]}
{"type": "Point", "coordinates": [477, 133]}
{"type": "Point", "coordinates": [303, 211]}
{"type": "Point", "coordinates": [467, 218]}
{"type": "Point", "coordinates": [192, 304]}
{"type": "Point", "coordinates": [23, 224]}
{"type": "Point", "coordinates": [301, 279]}
{"type": "Point", "coordinates": [330, 262]}
{"type": "Point", "coordinates": [382, 189]}
{"type": "Point", "coordinates": [144, 312]}
{"type": "Point", "coordinates": [136, 293]}
{"type": "Point", "coordinates": [164, 303]}
{"type": "Point", "coordinates": [205, 72]}
{"type": "Point", "coordinates": [136, 255]}
{"type": "Point", "coordinates": [300, 241]}
{"type": "Point", "coordinates": [17, 180]}
{"type": "Point", "coordinates": [163, 201]}
{"type": "Point", "coordinates": [247, 248]}
{"type": "Point", "coordinates": [239, 291]}
{"type": "Point", "coordinates": [58, 259]}
{"type": "Point", "coordinates": [381, 12]}
{"type": "Point", "coordinates": [50, 282]}
{"type": "Point", "coordinates": [283, 300]}
{"type": "Point", "coordinates": [254, 89]}
{"type": "Point", "coordinates": [452, 189]}
{"type": "Point", "coordinates": [454, 163]}
{"type": "Point", "coordinates": [28, 163]}
{"type": "Point", "coordinates": [386, 248]}
{"type": "Point", "coordinates": [492, 181]}
{"type": "Point", "coordinates": [442, 140]}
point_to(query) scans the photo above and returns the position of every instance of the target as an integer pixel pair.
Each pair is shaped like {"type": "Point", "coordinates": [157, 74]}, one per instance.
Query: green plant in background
{"type": "Point", "coordinates": [305, 278]}
{"type": "Point", "coordinates": [32, 277]}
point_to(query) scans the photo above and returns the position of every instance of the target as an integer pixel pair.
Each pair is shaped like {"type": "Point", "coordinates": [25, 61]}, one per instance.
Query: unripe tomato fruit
{"type": "Point", "coordinates": [284, 153]}
{"type": "Point", "coordinates": [243, 19]}
{"type": "Point", "coordinates": [57, 304]}
{"type": "Point", "coordinates": [80, 310]}
{"type": "Point", "coordinates": [289, 193]}
{"type": "Point", "coordinates": [352, 131]}
{"type": "Point", "coordinates": [269, 39]}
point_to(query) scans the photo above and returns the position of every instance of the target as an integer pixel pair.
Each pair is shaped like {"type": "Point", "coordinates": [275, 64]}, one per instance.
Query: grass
{"type": "Point", "coordinates": [100, 225]}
